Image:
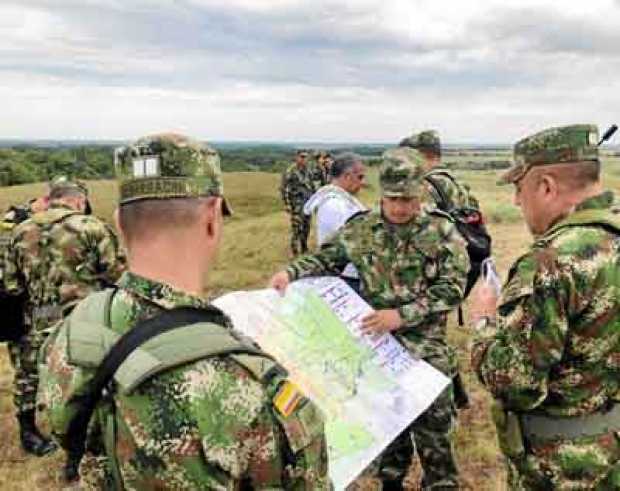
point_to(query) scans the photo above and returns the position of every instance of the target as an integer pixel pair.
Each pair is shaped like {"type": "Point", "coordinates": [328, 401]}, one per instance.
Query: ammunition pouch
{"type": "Point", "coordinates": [509, 433]}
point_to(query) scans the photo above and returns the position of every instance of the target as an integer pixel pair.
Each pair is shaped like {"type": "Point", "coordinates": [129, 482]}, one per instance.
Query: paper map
{"type": "Point", "coordinates": [368, 387]}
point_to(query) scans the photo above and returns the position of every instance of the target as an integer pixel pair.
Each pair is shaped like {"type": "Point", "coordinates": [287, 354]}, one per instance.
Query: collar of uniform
{"type": "Point", "coordinates": [599, 202]}
{"type": "Point", "coordinates": [59, 205]}
{"type": "Point", "coordinates": [588, 210]}
{"type": "Point", "coordinates": [161, 294]}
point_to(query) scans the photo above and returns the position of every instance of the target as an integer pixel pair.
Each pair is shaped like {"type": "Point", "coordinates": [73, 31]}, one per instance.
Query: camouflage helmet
{"type": "Point", "coordinates": [401, 172]}
{"type": "Point", "coordinates": [564, 144]}
{"type": "Point", "coordinates": [168, 166]}
{"type": "Point", "coordinates": [427, 141]}
{"type": "Point", "coordinates": [59, 183]}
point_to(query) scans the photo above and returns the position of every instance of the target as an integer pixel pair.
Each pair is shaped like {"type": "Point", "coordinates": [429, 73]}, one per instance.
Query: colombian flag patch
{"type": "Point", "coordinates": [287, 398]}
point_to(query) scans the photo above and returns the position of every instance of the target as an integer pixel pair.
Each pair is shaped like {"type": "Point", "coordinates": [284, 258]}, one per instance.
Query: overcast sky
{"type": "Point", "coordinates": [485, 71]}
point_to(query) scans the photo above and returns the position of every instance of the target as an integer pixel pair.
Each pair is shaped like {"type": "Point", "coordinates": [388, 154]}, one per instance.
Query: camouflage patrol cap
{"type": "Point", "coordinates": [425, 140]}
{"type": "Point", "coordinates": [564, 144]}
{"type": "Point", "coordinates": [168, 166]}
{"type": "Point", "coordinates": [59, 183]}
{"type": "Point", "coordinates": [401, 172]}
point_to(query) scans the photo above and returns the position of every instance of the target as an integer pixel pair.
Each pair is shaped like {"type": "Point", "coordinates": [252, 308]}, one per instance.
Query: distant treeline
{"type": "Point", "coordinates": [21, 164]}
{"type": "Point", "coordinates": [31, 163]}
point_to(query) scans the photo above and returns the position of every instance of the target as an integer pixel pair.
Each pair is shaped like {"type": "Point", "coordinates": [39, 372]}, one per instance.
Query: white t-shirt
{"type": "Point", "coordinates": [333, 207]}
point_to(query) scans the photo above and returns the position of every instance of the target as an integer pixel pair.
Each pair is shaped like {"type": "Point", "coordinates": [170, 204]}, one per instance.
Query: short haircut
{"type": "Point", "coordinates": [68, 192]}
{"type": "Point", "coordinates": [573, 176]}
{"type": "Point", "coordinates": [343, 162]}
{"type": "Point", "coordinates": [142, 218]}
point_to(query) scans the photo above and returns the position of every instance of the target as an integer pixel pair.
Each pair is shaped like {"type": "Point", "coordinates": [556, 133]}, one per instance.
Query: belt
{"type": "Point", "coordinates": [537, 428]}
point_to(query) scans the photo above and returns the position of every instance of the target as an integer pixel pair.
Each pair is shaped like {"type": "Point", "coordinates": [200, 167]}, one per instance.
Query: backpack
{"type": "Point", "coordinates": [170, 339]}
{"type": "Point", "coordinates": [13, 307]}
{"type": "Point", "coordinates": [467, 219]}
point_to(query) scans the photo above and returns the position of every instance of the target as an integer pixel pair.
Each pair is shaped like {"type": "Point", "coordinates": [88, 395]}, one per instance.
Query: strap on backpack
{"type": "Point", "coordinates": [85, 403]}
{"type": "Point", "coordinates": [445, 203]}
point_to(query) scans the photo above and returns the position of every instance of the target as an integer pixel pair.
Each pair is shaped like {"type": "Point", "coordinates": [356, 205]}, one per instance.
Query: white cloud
{"type": "Point", "coordinates": [332, 70]}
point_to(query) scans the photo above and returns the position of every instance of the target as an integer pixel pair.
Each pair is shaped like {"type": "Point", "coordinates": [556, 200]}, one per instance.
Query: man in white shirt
{"type": "Point", "coordinates": [335, 203]}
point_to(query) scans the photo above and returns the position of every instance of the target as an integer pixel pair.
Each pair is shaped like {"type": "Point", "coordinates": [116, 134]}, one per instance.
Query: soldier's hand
{"type": "Point", "coordinates": [482, 303]}
{"type": "Point", "coordinates": [381, 321]}
{"type": "Point", "coordinates": [280, 281]}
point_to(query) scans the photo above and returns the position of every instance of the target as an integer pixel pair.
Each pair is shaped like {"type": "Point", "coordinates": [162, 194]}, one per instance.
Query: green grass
{"type": "Point", "coordinates": [255, 246]}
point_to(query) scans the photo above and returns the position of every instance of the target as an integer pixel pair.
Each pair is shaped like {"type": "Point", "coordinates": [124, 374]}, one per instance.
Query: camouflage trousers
{"type": "Point", "coordinates": [431, 436]}
{"type": "Point", "coordinates": [24, 355]}
{"type": "Point", "coordinates": [300, 229]}
{"type": "Point", "coordinates": [591, 463]}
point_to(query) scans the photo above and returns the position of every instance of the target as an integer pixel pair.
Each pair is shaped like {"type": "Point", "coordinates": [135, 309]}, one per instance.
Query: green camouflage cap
{"type": "Point", "coordinates": [167, 166]}
{"type": "Point", "coordinates": [63, 182]}
{"type": "Point", "coordinates": [425, 140]}
{"type": "Point", "coordinates": [564, 144]}
{"type": "Point", "coordinates": [401, 172]}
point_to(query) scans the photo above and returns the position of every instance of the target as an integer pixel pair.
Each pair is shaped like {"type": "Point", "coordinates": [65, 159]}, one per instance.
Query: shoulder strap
{"type": "Point", "coordinates": [444, 203]}
{"type": "Point", "coordinates": [357, 214]}
{"type": "Point", "coordinates": [184, 318]}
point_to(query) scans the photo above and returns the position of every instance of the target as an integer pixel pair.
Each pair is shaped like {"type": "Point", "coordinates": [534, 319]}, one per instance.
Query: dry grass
{"type": "Point", "coordinates": [255, 245]}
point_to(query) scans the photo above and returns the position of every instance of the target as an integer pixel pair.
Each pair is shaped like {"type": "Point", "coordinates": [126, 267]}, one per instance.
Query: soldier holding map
{"type": "Point", "coordinates": [412, 268]}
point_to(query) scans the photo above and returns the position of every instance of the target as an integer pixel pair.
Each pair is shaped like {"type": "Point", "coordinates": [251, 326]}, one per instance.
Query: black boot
{"type": "Point", "coordinates": [31, 439]}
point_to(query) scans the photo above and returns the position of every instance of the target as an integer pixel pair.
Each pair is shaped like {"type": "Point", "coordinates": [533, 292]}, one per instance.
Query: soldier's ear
{"type": "Point", "coordinates": [211, 216]}
{"type": "Point", "coordinates": [549, 186]}
{"type": "Point", "coordinates": [117, 225]}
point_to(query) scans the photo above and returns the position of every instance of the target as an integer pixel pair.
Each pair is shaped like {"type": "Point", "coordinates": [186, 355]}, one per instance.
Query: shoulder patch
{"type": "Point", "coordinates": [287, 398]}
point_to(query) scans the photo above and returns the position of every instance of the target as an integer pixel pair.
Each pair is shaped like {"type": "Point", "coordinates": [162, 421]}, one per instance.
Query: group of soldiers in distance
{"type": "Point", "coordinates": [146, 385]}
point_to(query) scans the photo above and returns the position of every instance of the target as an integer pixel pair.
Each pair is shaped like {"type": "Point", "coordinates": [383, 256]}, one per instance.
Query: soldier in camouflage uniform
{"type": "Point", "coordinates": [12, 310]}
{"type": "Point", "coordinates": [322, 169]}
{"type": "Point", "coordinates": [458, 193]}
{"type": "Point", "coordinates": [210, 422]}
{"type": "Point", "coordinates": [445, 193]}
{"type": "Point", "coordinates": [412, 267]}
{"type": "Point", "coordinates": [55, 258]}
{"type": "Point", "coordinates": [298, 184]}
{"type": "Point", "coordinates": [550, 352]}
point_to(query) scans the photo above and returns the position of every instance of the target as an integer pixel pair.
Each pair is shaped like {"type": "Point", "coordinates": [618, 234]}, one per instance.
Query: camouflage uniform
{"type": "Point", "coordinates": [13, 217]}
{"type": "Point", "coordinates": [456, 192]}
{"type": "Point", "coordinates": [418, 268]}
{"type": "Point", "coordinates": [553, 361]}
{"type": "Point", "coordinates": [56, 257]}
{"type": "Point", "coordinates": [321, 170]}
{"type": "Point", "coordinates": [445, 192]}
{"type": "Point", "coordinates": [298, 184]}
{"type": "Point", "coordinates": [209, 423]}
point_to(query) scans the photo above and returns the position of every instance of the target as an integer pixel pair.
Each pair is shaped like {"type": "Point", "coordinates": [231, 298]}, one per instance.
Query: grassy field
{"type": "Point", "coordinates": [255, 246]}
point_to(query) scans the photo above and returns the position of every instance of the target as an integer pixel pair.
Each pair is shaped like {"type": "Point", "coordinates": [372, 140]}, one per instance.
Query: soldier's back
{"type": "Point", "coordinates": [207, 424]}
{"type": "Point", "coordinates": [451, 190]}
{"type": "Point", "coordinates": [62, 255]}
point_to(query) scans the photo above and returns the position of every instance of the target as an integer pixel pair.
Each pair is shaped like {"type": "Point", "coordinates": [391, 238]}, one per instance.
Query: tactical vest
{"type": "Point", "coordinates": [122, 362]}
